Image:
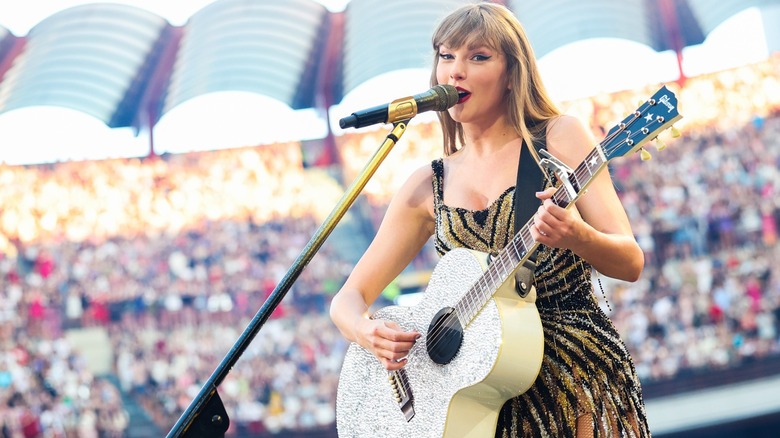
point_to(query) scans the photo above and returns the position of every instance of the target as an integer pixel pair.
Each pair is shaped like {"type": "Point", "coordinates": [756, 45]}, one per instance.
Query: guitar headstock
{"type": "Point", "coordinates": [643, 125]}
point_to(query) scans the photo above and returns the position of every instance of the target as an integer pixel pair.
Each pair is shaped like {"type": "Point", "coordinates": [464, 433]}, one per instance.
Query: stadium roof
{"type": "Point", "coordinates": [268, 48]}
{"type": "Point", "coordinates": [128, 67]}
{"type": "Point", "coordinates": [554, 23]}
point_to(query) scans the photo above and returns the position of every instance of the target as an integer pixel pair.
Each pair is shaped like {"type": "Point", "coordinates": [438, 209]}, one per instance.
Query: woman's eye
{"type": "Point", "coordinates": [445, 56]}
{"type": "Point", "coordinates": [481, 57]}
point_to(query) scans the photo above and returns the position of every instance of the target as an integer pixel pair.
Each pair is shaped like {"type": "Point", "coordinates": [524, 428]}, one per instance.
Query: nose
{"type": "Point", "coordinates": [457, 71]}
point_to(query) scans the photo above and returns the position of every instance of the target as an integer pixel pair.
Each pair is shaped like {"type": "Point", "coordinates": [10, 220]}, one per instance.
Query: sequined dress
{"type": "Point", "coordinates": [586, 369]}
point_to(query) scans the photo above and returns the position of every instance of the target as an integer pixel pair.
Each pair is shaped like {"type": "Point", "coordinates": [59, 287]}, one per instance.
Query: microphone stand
{"type": "Point", "coordinates": [206, 415]}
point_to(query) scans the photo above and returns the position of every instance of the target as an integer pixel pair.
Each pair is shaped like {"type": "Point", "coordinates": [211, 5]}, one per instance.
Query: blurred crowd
{"type": "Point", "coordinates": [706, 212]}
{"type": "Point", "coordinates": [172, 256]}
{"type": "Point", "coordinates": [707, 215]}
{"type": "Point", "coordinates": [47, 389]}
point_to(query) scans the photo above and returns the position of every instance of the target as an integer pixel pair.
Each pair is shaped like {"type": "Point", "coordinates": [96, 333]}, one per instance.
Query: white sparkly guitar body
{"type": "Point", "coordinates": [499, 358]}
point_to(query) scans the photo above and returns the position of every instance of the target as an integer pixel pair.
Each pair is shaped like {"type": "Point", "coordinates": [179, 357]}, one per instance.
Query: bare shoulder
{"type": "Point", "coordinates": [421, 180]}
{"type": "Point", "coordinates": [421, 175]}
{"type": "Point", "coordinates": [569, 139]}
{"type": "Point", "coordinates": [417, 191]}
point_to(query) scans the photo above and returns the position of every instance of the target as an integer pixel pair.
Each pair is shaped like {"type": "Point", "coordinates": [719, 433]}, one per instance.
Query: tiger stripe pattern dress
{"type": "Point", "coordinates": [586, 368]}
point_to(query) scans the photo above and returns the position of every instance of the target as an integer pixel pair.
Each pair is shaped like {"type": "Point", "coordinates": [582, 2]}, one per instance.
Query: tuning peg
{"type": "Point", "coordinates": [675, 132]}
{"type": "Point", "coordinates": [645, 155]}
{"type": "Point", "coordinates": [659, 144]}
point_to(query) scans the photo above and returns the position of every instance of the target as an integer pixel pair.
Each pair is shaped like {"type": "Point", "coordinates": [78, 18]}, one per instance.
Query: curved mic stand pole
{"type": "Point", "coordinates": [206, 416]}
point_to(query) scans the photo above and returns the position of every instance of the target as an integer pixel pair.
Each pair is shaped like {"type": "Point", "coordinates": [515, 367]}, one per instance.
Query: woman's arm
{"type": "Point", "coordinates": [597, 229]}
{"type": "Point", "coordinates": [407, 225]}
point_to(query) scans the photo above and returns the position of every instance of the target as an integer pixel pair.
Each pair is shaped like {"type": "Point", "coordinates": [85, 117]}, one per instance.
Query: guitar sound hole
{"type": "Point", "coordinates": [445, 335]}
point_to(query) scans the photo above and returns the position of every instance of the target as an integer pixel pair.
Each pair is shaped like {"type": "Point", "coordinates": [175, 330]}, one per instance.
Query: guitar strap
{"type": "Point", "coordinates": [530, 179]}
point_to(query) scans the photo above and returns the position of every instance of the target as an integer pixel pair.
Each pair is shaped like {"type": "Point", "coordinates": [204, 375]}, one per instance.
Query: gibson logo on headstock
{"type": "Point", "coordinates": [665, 100]}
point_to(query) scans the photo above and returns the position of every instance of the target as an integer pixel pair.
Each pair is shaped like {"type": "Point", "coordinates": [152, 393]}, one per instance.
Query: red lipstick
{"type": "Point", "coordinates": [463, 94]}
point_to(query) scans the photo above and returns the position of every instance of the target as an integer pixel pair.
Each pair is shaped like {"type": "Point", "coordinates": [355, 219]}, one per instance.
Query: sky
{"type": "Point", "coordinates": [577, 70]}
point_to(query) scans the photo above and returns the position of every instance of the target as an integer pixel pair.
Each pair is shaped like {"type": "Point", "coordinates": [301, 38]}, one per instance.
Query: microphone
{"type": "Point", "coordinates": [439, 98]}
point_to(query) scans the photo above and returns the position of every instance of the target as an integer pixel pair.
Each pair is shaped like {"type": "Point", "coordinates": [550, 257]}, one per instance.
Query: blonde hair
{"type": "Point", "coordinates": [529, 107]}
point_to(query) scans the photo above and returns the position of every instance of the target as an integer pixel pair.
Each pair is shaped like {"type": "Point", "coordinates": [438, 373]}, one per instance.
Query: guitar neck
{"type": "Point", "coordinates": [523, 244]}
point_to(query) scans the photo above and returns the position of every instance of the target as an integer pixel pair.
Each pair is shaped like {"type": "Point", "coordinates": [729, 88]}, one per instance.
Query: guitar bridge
{"type": "Point", "coordinates": [402, 392]}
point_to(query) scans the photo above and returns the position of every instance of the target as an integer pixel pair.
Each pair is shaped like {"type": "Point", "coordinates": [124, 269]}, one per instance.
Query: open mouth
{"type": "Point", "coordinates": [463, 94]}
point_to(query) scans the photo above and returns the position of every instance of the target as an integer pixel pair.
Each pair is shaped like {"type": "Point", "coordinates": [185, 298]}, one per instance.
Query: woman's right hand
{"type": "Point", "coordinates": [386, 340]}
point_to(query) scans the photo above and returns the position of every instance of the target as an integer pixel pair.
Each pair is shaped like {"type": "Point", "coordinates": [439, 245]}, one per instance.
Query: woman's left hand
{"type": "Point", "coordinates": [555, 226]}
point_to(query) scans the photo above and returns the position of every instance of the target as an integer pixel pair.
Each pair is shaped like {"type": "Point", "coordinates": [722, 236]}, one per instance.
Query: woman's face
{"type": "Point", "coordinates": [481, 72]}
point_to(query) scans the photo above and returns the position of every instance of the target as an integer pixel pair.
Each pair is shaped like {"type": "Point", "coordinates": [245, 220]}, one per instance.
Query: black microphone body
{"type": "Point", "coordinates": [439, 98]}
